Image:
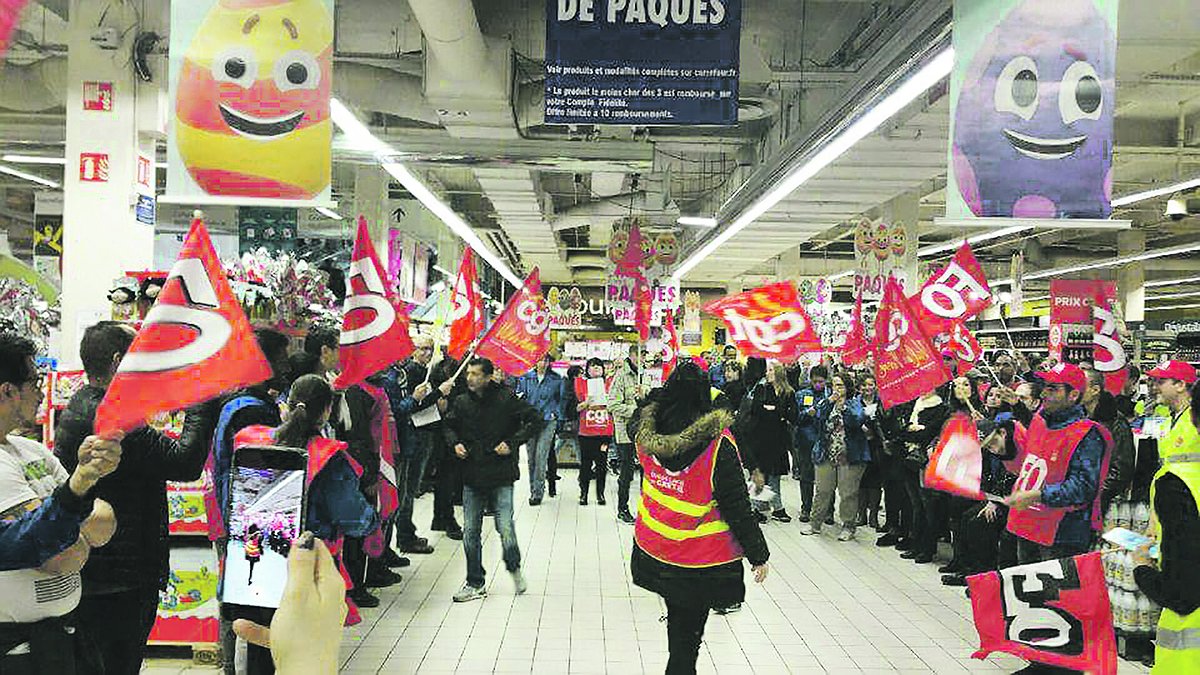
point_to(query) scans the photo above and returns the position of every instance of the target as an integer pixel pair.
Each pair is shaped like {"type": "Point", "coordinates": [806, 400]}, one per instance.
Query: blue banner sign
{"type": "Point", "coordinates": [642, 62]}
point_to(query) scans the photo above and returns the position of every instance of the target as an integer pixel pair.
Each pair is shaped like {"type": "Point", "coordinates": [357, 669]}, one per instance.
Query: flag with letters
{"type": "Point", "coordinates": [769, 322]}
{"type": "Point", "coordinates": [466, 307]}
{"type": "Point", "coordinates": [954, 293]}
{"type": "Point", "coordinates": [521, 334]}
{"type": "Point", "coordinates": [956, 464]}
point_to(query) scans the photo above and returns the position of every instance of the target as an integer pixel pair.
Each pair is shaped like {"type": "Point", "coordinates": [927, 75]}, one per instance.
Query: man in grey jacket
{"type": "Point", "coordinates": [622, 403]}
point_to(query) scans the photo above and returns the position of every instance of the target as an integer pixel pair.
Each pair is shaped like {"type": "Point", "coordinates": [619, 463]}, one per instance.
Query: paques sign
{"type": "Point", "coordinates": [882, 250]}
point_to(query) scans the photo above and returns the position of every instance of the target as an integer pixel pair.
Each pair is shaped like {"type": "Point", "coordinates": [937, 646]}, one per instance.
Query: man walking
{"type": "Point", "coordinates": [545, 390]}
{"type": "Point", "coordinates": [486, 426]}
{"type": "Point", "coordinates": [622, 404]}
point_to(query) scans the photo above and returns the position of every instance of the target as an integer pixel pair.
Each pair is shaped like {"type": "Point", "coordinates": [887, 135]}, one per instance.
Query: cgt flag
{"type": "Point", "coordinates": [195, 343]}
{"type": "Point", "coordinates": [467, 304]}
{"type": "Point", "coordinates": [769, 322]}
{"type": "Point", "coordinates": [1108, 352]}
{"type": "Point", "coordinates": [906, 364]}
{"type": "Point", "coordinates": [521, 334]}
{"type": "Point", "coordinates": [857, 347]}
{"type": "Point", "coordinates": [1054, 612]}
{"type": "Point", "coordinates": [962, 344]}
{"type": "Point", "coordinates": [374, 330]}
{"type": "Point", "coordinates": [956, 293]}
{"type": "Point", "coordinates": [956, 464]}
{"type": "Point", "coordinates": [672, 343]}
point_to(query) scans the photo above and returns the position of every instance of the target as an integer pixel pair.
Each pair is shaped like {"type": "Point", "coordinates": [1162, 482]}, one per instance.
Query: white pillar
{"type": "Point", "coordinates": [1131, 278]}
{"type": "Point", "coordinates": [371, 201]}
{"type": "Point", "coordinates": [101, 236]}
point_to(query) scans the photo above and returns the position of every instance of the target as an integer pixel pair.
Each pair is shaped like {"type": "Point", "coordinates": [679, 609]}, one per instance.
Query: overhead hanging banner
{"type": "Point", "coordinates": [250, 83]}
{"type": "Point", "coordinates": [883, 250]}
{"type": "Point", "coordinates": [643, 62]}
{"type": "Point", "coordinates": [1032, 98]}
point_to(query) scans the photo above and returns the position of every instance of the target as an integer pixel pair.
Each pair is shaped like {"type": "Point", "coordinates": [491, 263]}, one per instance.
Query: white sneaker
{"type": "Point", "coordinates": [468, 593]}
{"type": "Point", "coordinates": [809, 528]}
{"type": "Point", "coordinates": [519, 582]}
{"type": "Point", "coordinates": [846, 534]}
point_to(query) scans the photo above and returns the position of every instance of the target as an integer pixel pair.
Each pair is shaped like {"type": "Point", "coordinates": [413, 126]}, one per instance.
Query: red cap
{"type": "Point", "coordinates": [1174, 370]}
{"type": "Point", "coordinates": [1065, 373]}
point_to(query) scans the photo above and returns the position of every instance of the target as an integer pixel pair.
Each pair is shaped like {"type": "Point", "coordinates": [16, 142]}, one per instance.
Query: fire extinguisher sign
{"type": "Point", "coordinates": [93, 167]}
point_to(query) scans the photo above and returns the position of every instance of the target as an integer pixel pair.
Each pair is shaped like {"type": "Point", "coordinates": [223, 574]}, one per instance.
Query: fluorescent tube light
{"type": "Point", "coordinates": [1169, 307]}
{"type": "Point", "coordinates": [1158, 192]}
{"type": "Point", "coordinates": [974, 239]}
{"type": "Point", "coordinates": [34, 159]}
{"type": "Point", "coordinates": [328, 213]}
{"type": "Point", "coordinates": [920, 82]}
{"type": "Point", "coordinates": [359, 135]}
{"type": "Point", "coordinates": [28, 176]}
{"type": "Point", "coordinates": [1172, 296]}
{"type": "Point", "coordinates": [1171, 282]}
{"type": "Point", "coordinates": [696, 221]}
{"type": "Point", "coordinates": [840, 275]}
{"type": "Point", "coordinates": [1114, 262]}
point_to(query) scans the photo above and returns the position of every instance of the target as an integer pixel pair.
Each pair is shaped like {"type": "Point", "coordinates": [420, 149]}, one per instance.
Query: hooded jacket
{"type": "Point", "coordinates": [721, 585]}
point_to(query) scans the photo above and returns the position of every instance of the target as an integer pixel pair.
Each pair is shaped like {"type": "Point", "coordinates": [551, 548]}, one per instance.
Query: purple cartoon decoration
{"type": "Point", "coordinates": [1034, 127]}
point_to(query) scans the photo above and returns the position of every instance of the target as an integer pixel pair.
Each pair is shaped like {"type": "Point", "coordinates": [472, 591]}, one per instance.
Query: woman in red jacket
{"type": "Point", "coordinates": [595, 428]}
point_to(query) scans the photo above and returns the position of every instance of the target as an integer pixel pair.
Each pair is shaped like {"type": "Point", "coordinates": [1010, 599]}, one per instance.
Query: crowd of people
{"type": "Point", "coordinates": [715, 444]}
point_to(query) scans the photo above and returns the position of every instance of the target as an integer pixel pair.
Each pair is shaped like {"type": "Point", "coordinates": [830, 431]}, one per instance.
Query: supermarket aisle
{"type": "Point", "coordinates": [827, 607]}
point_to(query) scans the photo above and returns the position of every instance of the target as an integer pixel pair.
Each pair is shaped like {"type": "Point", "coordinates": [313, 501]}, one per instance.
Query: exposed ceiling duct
{"type": "Point", "coordinates": [383, 90]}
{"type": "Point", "coordinates": [599, 215]}
{"type": "Point", "coordinates": [37, 87]}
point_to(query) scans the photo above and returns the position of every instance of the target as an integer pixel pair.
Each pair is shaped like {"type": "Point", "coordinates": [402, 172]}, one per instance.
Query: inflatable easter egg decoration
{"type": "Point", "coordinates": [898, 239]}
{"type": "Point", "coordinates": [1033, 132]}
{"type": "Point", "coordinates": [617, 246]}
{"type": "Point", "coordinates": [864, 237]}
{"type": "Point", "coordinates": [577, 302]}
{"type": "Point", "coordinates": [648, 252]}
{"type": "Point", "coordinates": [882, 242]}
{"type": "Point", "coordinates": [668, 248]}
{"type": "Point", "coordinates": [554, 298]}
{"type": "Point", "coordinates": [252, 101]}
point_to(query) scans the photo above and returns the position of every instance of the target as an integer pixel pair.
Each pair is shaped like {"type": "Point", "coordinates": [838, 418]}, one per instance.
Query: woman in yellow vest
{"type": "Point", "coordinates": [1175, 495]}
{"type": "Point", "coordinates": [694, 522]}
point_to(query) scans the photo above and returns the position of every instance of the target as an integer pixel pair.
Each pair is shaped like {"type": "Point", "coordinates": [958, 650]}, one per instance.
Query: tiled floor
{"type": "Point", "coordinates": [827, 607]}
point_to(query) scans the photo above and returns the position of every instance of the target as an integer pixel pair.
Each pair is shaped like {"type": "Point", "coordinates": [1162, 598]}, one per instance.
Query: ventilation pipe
{"type": "Point", "coordinates": [383, 90]}
{"type": "Point", "coordinates": [602, 213]}
{"type": "Point", "coordinates": [37, 87]}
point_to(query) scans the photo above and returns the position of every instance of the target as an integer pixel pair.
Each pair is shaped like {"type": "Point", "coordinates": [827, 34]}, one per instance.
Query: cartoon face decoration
{"type": "Point", "coordinates": [648, 251]}
{"type": "Point", "coordinates": [552, 298]}
{"type": "Point", "coordinates": [618, 245]}
{"type": "Point", "coordinates": [898, 239]}
{"type": "Point", "coordinates": [668, 248]}
{"type": "Point", "coordinates": [252, 106]}
{"type": "Point", "coordinates": [881, 242]}
{"type": "Point", "coordinates": [864, 237]}
{"type": "Point", "coordinates": [577, 299]}
{"type": "Point", "coordinates": [1034, 126]}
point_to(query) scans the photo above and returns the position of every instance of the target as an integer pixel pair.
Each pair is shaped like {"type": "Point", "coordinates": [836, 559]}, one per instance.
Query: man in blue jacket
{"type": "Point", "coordinates": [545, 390]}
{"type": "Point", "coordinates": [806, 434]}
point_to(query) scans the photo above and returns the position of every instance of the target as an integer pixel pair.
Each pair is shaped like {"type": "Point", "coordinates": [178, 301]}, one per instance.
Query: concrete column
{"type": "Point", "coordinates": [102, 238]}
{"type": "Point", "coordinates": [906, 210]}
{"type": "Point", "coordinates": [1131, 278]}
{"type": "Point", "coordinates": [371, 201]}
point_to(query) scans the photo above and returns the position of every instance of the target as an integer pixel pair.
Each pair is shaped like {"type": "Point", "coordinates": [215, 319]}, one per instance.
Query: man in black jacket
{"type": "Point", "coordinates": [122, 579]}
{"type": "Point", "coordinates": [1101, 407]}
{"type": "Point", "coordinates": [486, 426]}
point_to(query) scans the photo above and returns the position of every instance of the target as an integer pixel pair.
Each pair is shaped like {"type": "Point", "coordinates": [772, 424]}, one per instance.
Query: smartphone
{"type": "Point", "coordinates": [266, 513]}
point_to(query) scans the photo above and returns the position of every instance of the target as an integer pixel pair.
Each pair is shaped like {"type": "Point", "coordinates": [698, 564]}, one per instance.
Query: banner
{"type": "Point", "coordinates": [883, 251]}
{"type": "Point", "coordinates": [1032, 94]}
{"type": "Point", "coordinates": [374, 328]}
{"type": "Point", "coordinates": [857, 347]}
{"type": "Point", "coordinates": [1054, 612]}
{"type": "Point", "coordinates": [521, 334]}
{"type": "Point", "coordinates": [906, 364]}
{"type": "Point", "coordinates": [952, 295]}
{"type": "Point", "coordinates": [673, 345]}
{"type": "Point", "coordinates": [629, 268]}
{"type": "Point", "coordinates": [250, 85]}
{"type": "Point", "coordinates": [266, 227]}
{"type": "Point", "coordinates": [195, 343]}
{"type": "Point", "coordinates": [658, 62]}
{"type": "Point", "coordinates": [769, 322]}
{"type": "Point", "coordinates": [956, 464]}
{"type": "Point", "coordinates": [1073, 319]}
{"type": "Point", "coordinates": [466, 308]}
{"type": "Point", "coordinates": [640, 262]}
{"type": "Point", "coordinates": [1108, 350]}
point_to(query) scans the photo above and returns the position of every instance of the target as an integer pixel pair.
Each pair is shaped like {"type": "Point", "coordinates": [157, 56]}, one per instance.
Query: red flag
{"type": "Point", "coordinates": [374, 329]}
{"type": "Point", "coordinates": [857, 347]}
{"type": "Point", "coordinates": [195, 343]}
{"type": "Point", "coordinates": [521, 334]}
{"type": "Point", "coordinates": [956, 464]}
{"type": "Point", "coordinates": [630, 266]}
{"type": "Point", "coordinates": [962, 343]}
{"type": "Point", "coordinates": [906, 364]}
{"type": "Point", "coordinates": [769, 322]}
{"type": "Point", "coordinates": [467, 312]}
{"type": "Point", "coordinates": [10, 14]}
{"type": "Point", "coordinates": [1054, 612]}
{"type": "Point", "coordinates": [957, 292]}
{"type": "Point", "coordinates": [672, 343]}
{"type": "Point", "coordinates": [1108, 353]}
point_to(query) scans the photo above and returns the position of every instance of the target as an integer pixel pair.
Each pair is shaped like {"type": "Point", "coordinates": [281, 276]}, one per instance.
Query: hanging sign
{"type": "Point", "coordinates": [1032, 94]}
{"type": "Point", "coordinates": [642, 62]}
{"type": "Point", "coordinates": [882, 251]}
{"type": "Point", "coordinates": [250, 86]}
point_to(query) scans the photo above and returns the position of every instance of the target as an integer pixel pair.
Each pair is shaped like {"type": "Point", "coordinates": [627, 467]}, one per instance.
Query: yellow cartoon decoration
{"type": "Point", "coordinates": [668, 248]}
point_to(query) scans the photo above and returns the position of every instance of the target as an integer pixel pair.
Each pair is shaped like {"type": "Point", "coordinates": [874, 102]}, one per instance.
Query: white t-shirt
{"type": "Point", "coordinates": [29, 471]}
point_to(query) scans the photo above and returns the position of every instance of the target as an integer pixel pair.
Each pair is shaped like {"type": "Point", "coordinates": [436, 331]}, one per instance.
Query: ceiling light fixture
{"type": "Point", "coordinates": [1114, 262]}
{"type": "Point", "coordinates": [34, 159]}
{"type": "Point", "coordinates": [328, 213]}
{"type": "Point", "coordinates": [1171, 282]}
{"type": "Point", "coordinates": [696, 221]}
{"type": "Point", "coordinates": [1158, 192]}
{"type": "Point", "coordinates": [928, 75]}
{"type": "Point", "coordinates": [839, 275]}
{"type": "Point", "coordinates": [1172, 296]}
{"type": "Point", "coordinates": [1170, 307]}
{"type": "Point", "coordinates": [28, 176]}
{"type": "Point", "coordinates": [359, 135]}
{"type": "Point", "coordinates": [974, 239]}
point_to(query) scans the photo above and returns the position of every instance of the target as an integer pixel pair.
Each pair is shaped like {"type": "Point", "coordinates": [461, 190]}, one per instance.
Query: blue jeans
{"type": "Point", "coordinates": [539, 454]}
{"type": "Point", "coordinates": [409, 478]}
{"type": "Point", "coordinates": [474, 501]}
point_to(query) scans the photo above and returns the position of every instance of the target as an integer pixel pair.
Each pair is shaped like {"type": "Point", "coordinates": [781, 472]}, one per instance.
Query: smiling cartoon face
{"type": "Point", "coordinates": [898, 239]}
{"type": "Point", "coordinates": [1033, 131]}
{"type": "Point", "coordinates": [617, 246]}
{"type": "Point", "coordinates": [668, 248]}
{"type": "Point", "coordinates": [864, 237]}
{"type": "Point", "coordinates": [881, 241]}
{"type": "Point", "coordinates": [252, 103]}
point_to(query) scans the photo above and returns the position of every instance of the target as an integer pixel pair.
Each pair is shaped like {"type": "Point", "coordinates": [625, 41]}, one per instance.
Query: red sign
{"type": "Point", "coordinates": [521, 334]}
{"type": "Point", "coordinates": [1054, 612]}
{"type": "Point", "coordinates": [98, 96]}
{"type": "Point", "coordinates": [906, 364]}
{"type": "Point", "coordinates": [957, 292]}
{"type": "Point", "coordinates": [374, 330]}
{"type": "Point", "coordinates": [956, 465]}
{"type": "Point", "coordinates": [769, 322]}
{"type": "Point", "coordinates": [195, 343]}
{"type": "Point", "coordinates": [145, 179]}
{"type": "Point", "coordinates": [1071, 299]}
{"type": "Point", "coordinates": [673, 345]}
{"type": "Point", "coordinates": [93, 167]}
{"type": "Point", "coordinates": [466, 307]}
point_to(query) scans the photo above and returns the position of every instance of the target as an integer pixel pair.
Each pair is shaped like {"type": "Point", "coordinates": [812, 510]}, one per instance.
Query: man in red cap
{"type": "Point", "coordinates": [1173, 380]}
{"type": "Point", "coordinates": [1055, 503]}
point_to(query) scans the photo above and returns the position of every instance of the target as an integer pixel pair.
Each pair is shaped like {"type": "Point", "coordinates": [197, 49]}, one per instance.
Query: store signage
{"type": "Point", "coordinates": [145, 209]}
{"type": "Point", "coordinates": [642, 62]}
{"type": "Point", "coordinates": [270, 228]}
{"type": "Point", "coordinates": [93, 167]}
{"type": "Point", "coordinates": [1071, 300]}
{"type": "Point", "coordinates": [1182, 326]}
{"type": "Point", "coordinates": [144, 178]}
{"type": "Point", "coordinates": [1032, 122]}
{"type": "Point", "coordinates": [98, 96]}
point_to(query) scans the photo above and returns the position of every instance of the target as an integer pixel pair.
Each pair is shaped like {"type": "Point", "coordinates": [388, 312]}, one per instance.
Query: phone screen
{"type": "Point", "coordinates": [266, 511]}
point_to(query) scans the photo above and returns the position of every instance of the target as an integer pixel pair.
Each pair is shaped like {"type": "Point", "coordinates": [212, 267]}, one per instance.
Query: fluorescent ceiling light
{"type": "Point", "coordinates": [1172, 296]}
{"type": "Point", "coordinates": [1114, 262]}
{"type": "Point", "coordinates": [840, 275]}
{"type": "Point", "coordinates": [34, 159]}
{"type": "Point", "coordinates": [443, 270]}
{"type": "Point", "coordinates": [1159, 192]}
{"type": "Point", "coordinates": [360, 136]}
{"type": "Point", "coordinates": [1169, 307]}
{"type": "Point", "coordinates": [1171, 282]}
{"type": "Point", "coordinates": [328, 213]}
{"type": "Point", "coordinates": [28, 176]}
{"type": "Point", "coordinates": [974, 239]}
{"type": "Point", "coordinates": [696, 221]}
{"type": "Point", "coordinates": [927, 76]}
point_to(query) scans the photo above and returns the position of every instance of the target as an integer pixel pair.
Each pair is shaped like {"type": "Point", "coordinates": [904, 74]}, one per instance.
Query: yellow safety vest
{"type": "Point", "coordinates": [1177, 644]}
{"type": "Point", "coordinates": [1181, 438]}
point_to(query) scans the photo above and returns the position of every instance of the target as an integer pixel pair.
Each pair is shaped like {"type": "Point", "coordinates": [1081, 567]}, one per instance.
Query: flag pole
{"type": "Point", "coordinates": [1004, 325]}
